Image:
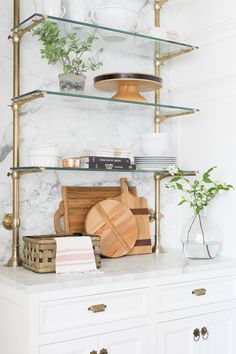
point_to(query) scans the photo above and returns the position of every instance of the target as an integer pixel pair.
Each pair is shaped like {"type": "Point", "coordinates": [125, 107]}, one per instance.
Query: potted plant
{"type": "Point", "coordinates": [69, 51]}
{"type": "Point", "coordinates": [199, 236]}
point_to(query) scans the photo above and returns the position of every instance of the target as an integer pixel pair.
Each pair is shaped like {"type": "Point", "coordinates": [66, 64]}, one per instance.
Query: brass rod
{"type": "Point", "coordinates": [15, 259]}
{"type": "Point", "coordinates": [157, 245]}
{"type": "Point", "coordinates": [157, 10]}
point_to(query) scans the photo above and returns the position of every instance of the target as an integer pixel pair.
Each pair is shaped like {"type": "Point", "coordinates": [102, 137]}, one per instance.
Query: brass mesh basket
{"type": "Point", "coordinates": [39, 252]}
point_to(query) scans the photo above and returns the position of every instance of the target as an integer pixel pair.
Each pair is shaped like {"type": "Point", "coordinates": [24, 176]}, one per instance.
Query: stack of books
{"type": "Point", "coordinates": [111, 159]}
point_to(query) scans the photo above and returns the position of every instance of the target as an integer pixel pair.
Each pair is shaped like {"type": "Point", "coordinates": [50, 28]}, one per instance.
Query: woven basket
{"type": "Point", "coordinates": [39, 252]}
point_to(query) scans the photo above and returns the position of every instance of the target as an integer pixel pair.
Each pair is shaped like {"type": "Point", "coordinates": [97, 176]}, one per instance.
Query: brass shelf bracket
{"type": "Point", "coordinates": [159, 3]}
{"type": "Point", "coordinates": [162, 118]}
{"type": "Point", "coordinates": [18, 33]}
{"type": "Point", "coordinates": [169, 56]}
{"type": "Point", "coordinates": [18, 103]}
{"type": "Point", "coordinates": [20, 172]}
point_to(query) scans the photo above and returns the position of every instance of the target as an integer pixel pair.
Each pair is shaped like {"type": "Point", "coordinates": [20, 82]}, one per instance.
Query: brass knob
{"type": "Point", "coordinates": [199, 292]}
{"type": "Point", "coordinates": [103, 351]}
{"type": "Point", "coordinates": [94, 352]}
{"type": "Point", "coordinates": [8, 222]}
{"type": "Point", "coordinates": [204, 333]}
{"type": "Point", "coordinates": [196, 334]}
{"type": "Point", "coordinates": [152, 215]}
{"type": "Point", "coordinates": [97, 308]}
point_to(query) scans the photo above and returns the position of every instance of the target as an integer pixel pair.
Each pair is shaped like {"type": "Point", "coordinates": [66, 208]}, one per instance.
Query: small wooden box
{"type": "Point", "coordinates": [39, 253]}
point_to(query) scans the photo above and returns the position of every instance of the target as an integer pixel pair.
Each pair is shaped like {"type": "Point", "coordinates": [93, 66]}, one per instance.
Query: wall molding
{"type": "Point", "coordinates": [215, 32]}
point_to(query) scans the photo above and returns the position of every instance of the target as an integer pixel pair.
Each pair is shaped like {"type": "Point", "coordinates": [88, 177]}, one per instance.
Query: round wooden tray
{"type": "Point", "coordinates": [128, 85]}
{"type": "Point", "coordinates": [114, 222]}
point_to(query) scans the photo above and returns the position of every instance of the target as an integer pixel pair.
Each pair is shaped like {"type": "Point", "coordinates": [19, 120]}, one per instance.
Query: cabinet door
{"type": "Point", "coordinates": [131, 341]}
{"type": "Point", "coordinates": [78, 346]}
{"type": "Point", "coordinates": [176, 337]}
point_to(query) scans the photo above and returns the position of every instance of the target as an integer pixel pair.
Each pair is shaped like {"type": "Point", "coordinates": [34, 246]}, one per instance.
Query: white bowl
{"type": "Point", "coordinates": [154, 144]}
{"type": "Point", "coordinates": [44, 160]}
{"type": "Point", "coordinates": [116, 17]}
{"type": "Point", "coordinates": [50, 149]}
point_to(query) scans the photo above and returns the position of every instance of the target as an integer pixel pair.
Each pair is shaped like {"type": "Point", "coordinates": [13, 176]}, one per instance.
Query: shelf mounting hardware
{"type": "Point", "coordinates": [9, 222]}
{"type": "Point", "coordinates": [18, 33]}
{"type": "Point", "coordinates": [159, 3]}
{"type": "Point", "coordinates": [18, 103]}
{"type": "Point", "coordinates": [162, 118]}
{"type": "Point", "coordinates": [169, 56]}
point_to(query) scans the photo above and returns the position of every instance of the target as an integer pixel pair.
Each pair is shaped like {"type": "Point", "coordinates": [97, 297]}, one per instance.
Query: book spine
{"type": "Point", "coordinates": [100, 159]}
{"type": "Point", "coordinates": [109, 166]}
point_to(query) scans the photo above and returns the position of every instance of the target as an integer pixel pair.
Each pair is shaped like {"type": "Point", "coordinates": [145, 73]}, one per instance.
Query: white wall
{"type": "Point", "coordinates": [207, 79]}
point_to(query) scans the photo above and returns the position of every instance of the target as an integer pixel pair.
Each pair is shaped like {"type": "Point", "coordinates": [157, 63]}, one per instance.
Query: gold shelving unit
{"type": "Point", "coordinates": [12, 221]}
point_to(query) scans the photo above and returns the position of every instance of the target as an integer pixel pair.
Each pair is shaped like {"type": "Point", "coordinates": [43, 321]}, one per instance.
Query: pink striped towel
{"type": "Point", "coordinates": [74, 254]}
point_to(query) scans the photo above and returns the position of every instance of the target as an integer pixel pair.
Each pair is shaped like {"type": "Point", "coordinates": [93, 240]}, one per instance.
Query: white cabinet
{"type": "Point", "coordinates": [140, 305]}
{"type": "Point", "coordinates": [79, 346]}
{"type": "Point", "coordinates": [128, 341]}
{"type": "Point", "coordinates": [181, 336]}
{"type": "Point", "coordinates": [133, 341]}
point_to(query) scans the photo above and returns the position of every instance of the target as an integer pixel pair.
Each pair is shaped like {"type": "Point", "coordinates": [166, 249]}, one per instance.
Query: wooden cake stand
{"type": "Point", "coordinates": [128, 85]}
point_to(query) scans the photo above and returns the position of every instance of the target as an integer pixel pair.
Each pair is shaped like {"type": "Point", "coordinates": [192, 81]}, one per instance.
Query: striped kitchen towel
{"type": "Point", "coordinates": [74, 255]}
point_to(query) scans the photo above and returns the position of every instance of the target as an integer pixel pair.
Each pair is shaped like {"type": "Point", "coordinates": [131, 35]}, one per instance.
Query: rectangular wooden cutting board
{"type": "Point", "coordinates": [77, 201]}
{"type": "Point", "coordinates": [139, 207]}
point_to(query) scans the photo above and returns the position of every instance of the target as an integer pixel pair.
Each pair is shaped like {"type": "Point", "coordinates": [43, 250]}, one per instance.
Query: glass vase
{"type": "Point", "coordinates": [200, 238]}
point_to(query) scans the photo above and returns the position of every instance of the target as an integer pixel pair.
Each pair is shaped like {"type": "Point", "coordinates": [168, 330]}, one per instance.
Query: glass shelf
{"type": "Point", "coordinates": [81, 100]}
{"type": "Point", "coordinates": [34, 169]}
{"type": "Point", "coordinates": [131, 42]}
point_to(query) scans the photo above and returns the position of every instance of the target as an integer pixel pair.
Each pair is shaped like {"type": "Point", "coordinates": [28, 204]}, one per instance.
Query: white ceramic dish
{"type": "Point", "coordinates": [116, 17]}
{"type": "Point", "coordinates": [153, 144]}
{"type": "Point", "coordinates": [49, 149]}
{"type": "Point", "coordinates": [44, 160]}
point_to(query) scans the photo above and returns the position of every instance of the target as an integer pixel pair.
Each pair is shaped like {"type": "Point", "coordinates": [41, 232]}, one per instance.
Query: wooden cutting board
{"type": "Point", "coordinates": [115, 224]}
{"type": "Point", "coordinates": [77, 201]}
{"type": "Point", "coordinates": [139, 207]}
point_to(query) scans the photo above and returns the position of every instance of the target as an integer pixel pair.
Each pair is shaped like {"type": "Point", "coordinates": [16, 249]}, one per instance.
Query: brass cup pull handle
{"type": "Point", "coordinates": [199, 292]}
{"type": "Point", "coordinates": [103, 351]}
{"type": "Point", "coordinates": [196, 335]}
{"type": "Point", "coordinates": [97, 308]}
{"type": "Point", "coordinates": [204, 333]}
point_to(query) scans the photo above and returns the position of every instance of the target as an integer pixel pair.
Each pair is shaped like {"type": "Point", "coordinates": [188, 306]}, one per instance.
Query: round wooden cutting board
{"type": "Point", "coordinates": [115, 224]}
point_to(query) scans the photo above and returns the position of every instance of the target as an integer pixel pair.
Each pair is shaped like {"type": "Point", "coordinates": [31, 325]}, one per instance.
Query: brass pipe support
{"type": "Point", "coordinates": [20, 172]}
{"type": "Point", "coordinates": [175, 54]}
{"type": "Point", "coordinates": [159, 3]}
{"type": "Point", "coordinates": [20, 32]}
{"type": "Point", "coordinates": [18, 103]}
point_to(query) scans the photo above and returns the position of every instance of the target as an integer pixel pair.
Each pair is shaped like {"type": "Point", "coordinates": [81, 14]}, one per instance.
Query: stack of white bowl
{"type": "Point", "coordinates": [44, 155]}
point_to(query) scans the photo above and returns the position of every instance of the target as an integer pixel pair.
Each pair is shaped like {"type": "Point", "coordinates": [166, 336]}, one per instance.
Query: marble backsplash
{"type": "Point", "coordinates": [73, 127]}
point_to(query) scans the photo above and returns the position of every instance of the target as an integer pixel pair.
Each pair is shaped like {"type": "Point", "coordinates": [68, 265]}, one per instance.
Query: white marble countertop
{"type": "Point", "coordinates": [139, 267]}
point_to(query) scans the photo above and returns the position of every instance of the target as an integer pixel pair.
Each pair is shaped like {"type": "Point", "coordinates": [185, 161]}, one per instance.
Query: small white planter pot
{"type": "Point", "coordinates": [72, 83]}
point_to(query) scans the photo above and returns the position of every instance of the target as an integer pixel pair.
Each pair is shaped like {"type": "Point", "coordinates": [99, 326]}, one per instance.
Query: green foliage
{"type": "Point", "coordinates": [200, 192]}
{"type": "Point", "coordinates": [67, 50]}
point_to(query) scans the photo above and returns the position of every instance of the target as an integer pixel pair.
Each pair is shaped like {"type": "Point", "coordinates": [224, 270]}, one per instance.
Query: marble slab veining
{"type": "Point", "coordinates": [74, 129]}
{"type": "Point", "coordinates": [117, 270]}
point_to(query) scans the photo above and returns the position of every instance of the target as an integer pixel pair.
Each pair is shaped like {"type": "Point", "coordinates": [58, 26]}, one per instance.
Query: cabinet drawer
{"type": "Point", "coordinates": [92, 310]}
{"type": "Point", "coordinates": [189, 294]}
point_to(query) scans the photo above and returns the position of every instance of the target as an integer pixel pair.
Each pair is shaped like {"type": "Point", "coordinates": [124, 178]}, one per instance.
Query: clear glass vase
{"type": "Point", "coordinates": [200, 238]}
